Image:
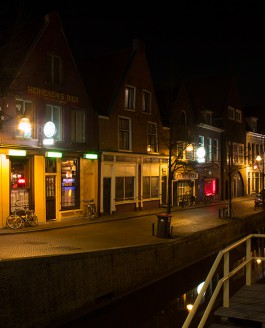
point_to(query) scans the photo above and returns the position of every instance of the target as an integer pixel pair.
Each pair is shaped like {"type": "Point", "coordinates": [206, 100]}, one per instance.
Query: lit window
{"type": "Point", "coordinates": [54, 114]}
{"type": "Point", "coordinates": [208, 149]}
{"type": "Point", "coordinates": [24, 110]}
{"type": "Point", "coordinates": [129, 98]}
{"type": "Point", "coordinates": [152, 137]}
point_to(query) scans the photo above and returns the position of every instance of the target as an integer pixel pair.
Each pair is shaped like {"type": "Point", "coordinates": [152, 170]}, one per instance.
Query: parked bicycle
{"type": "Point", "coordinates": [188, 200]}
{"type": "Point", "coordinates": [91, 211]}
{"type": "Point", "coordinates": [21, 215]}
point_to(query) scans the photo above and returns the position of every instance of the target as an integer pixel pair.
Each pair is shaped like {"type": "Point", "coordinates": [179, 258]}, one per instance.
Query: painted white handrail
{"type": "Point", "coordinates": [225, 280]}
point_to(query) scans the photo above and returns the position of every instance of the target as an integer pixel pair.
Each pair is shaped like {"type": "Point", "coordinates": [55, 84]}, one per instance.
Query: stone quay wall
{"type": "Point", "coordinates": [47, 291]}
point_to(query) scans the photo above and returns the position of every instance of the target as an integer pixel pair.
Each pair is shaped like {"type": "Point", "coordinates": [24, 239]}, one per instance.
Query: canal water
{"type": "Point", "coordinates": [162, 304]}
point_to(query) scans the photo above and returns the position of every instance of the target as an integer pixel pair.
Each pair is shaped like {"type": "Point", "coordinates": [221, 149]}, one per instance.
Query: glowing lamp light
{"type": "Point", "coordinates": [24, 125]}
{"type": "Point", "coordinates": [16, 152]}
{"type": "Point", "coordinates": [53, 154]}
{"type": "Point", "coordinates": [21, 181]}
{"type": "Point", "coordinates": [189, 307]}
{"type": "Point", "coordinates": [258, 261]}
{"type": "Point", "coordinates": [90, 156]}
{"type": "Point", "coordinates": [189, 147]}
{"type": "Point", "coordinates": [258, 158]}
{"type": "Point", "coordinates": [48, 141]}
{"type": "Point", "coordinates": [201, 154]}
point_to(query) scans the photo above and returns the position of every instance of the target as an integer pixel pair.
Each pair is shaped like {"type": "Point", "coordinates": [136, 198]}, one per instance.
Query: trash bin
{"type": "Point", "coordinates": [163, 225]}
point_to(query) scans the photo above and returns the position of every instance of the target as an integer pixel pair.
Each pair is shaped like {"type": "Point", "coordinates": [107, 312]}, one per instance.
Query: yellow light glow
{"type": "Point", "coordinates": [16, 152]}
{"type": "Point", "coordinates": [189, 147]}
{"type": "Point", "coordinates": [24, 125]}
{"type": "Point", "coordinates": [258, 261]}
{"type": "Point", "coordinates": [258, 158]}
{"type": "Point", "coordinates": [189, 307]}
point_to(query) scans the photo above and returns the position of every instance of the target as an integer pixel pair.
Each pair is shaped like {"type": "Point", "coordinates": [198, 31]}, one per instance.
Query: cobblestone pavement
{"type": "Point", "coordinates": [113, 231]}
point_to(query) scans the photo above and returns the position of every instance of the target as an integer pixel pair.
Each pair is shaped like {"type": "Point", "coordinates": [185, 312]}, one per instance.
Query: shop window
{"type": "Point", "coordinates": [70, 184]}
{"type": "Point", "coordinates": [124, 188]}
{"type": "Point", "coordinates": [150, 187]}
{"type": "Point", "coordinates": [20, 181]}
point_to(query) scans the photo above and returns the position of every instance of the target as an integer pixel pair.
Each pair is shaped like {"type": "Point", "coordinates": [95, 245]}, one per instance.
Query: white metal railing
{"type": "Point", "coordinates": [225, 280]}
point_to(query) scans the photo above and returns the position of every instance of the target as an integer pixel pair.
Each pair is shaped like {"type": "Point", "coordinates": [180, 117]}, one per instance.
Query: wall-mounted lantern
{"type": "Point", "coordinates": [24, 126]}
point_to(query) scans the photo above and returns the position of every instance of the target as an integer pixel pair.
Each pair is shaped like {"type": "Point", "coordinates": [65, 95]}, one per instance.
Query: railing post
{"type": "Point", "coordinates": [226, 282]}
{"type": "Point", "coordinates": [249, 264]}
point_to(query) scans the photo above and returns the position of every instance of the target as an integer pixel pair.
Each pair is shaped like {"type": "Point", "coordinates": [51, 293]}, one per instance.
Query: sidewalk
{"type": "Point", "coordinates": [107, 218]}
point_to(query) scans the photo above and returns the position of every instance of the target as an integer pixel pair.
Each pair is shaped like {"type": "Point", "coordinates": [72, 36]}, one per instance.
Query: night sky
{"type": "Point", "coordinates": [201, 37]}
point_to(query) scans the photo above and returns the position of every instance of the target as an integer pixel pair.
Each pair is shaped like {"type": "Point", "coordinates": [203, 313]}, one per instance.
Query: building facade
{"type": "Point", "coordinates": [48, 130]}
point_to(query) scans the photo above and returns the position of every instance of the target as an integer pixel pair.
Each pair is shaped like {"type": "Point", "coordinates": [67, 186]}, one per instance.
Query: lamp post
{"type": "Point", "coordinates": [260, 165]}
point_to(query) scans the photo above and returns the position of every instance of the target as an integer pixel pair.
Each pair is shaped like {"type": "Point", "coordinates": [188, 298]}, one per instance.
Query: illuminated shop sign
{"type": "Point", "coordinates": [17, 152]}
{"type": "Point", "coordinates": [90, 156]}
{"type": "Point", "coordinates": [185, 176]}
{"type": "Point", "coordinates": [53, 154]}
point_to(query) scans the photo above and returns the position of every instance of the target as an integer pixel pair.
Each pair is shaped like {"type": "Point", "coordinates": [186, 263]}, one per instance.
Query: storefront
{"type": "Point", "coordinates": [183, 184]}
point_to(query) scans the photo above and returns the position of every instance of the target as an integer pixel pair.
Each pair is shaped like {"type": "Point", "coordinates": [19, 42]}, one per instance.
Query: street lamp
{"type": "Point", "coordinates": [260, 165]}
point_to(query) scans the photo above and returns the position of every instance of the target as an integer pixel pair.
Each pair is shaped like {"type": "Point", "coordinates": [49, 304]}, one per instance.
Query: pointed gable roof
{"type": "Point", "coordinates": [104, 76]}
{"type": "Point", "coordinates": [17, 44]}
{"type": "Point", "coordinates": [214, 93]}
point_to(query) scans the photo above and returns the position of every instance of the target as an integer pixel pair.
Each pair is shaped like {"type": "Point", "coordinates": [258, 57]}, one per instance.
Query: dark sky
{"type": "Point", "coordinates": [201, 37]}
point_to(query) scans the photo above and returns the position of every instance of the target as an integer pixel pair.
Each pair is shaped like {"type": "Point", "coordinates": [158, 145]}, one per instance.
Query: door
{"type": "Point", "coordinates": [50, 197]}
{"type": "Point", "coordinates": [106, 195]}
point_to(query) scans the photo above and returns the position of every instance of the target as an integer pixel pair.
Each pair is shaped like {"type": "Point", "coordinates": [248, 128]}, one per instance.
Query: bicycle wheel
{"type": "Point", "coordinates": [33, 220]}
{"type": "Point", "coordinates": [95, 213]}
{"type": "Point", "coordinates": [14, 221]}
{"type": "Point", "coordinates": [89, 213]}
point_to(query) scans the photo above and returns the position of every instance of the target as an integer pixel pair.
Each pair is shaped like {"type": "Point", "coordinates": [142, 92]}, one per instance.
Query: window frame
{"type": "Point", "coordinates": [152, 136]}
{"type": "Point", "coordinates": [122, 131]}
{"type": "Point", "coordinates": [54, 69]}
{"type": "Point", "coordinates": [78, 126]}
{"type": "Point", "coordinates": [129, 98]}
{"type": "Point", "coordinates": [59, 133]}
{"type": "Point", "coordinates": [146, 102]}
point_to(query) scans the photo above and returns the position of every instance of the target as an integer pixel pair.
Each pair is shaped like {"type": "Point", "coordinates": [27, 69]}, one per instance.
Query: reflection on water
{"type": "Point", "coordinates": [176, 311]}
{"type": "Point", "coordinates": [163, 304]}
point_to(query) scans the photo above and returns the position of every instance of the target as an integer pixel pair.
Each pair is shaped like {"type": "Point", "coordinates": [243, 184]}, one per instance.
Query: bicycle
{"type": "Point", "coordinates": [91, 211]}
{"type": "Point", "coordinates": [186, 200]}
{"type": "Point", "coordinates": [21, 216]}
